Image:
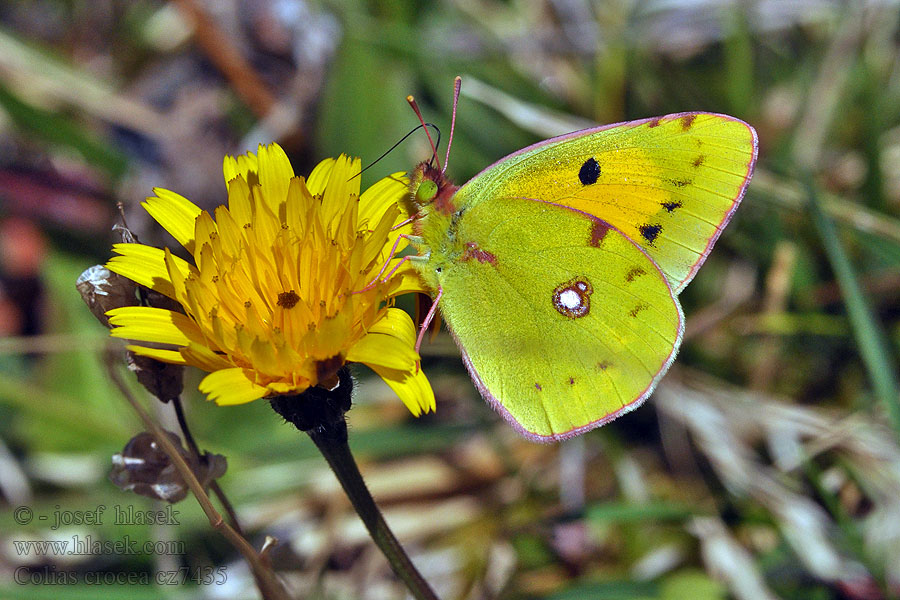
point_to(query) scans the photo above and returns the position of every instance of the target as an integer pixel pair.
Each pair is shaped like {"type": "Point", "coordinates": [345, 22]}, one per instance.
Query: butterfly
{"type": "Point", "coordinates": [557, 269]}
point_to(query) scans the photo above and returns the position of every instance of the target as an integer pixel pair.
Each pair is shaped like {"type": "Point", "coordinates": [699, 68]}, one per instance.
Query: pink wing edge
{"type": "Point", "coordinates": [754, 139]}
{"type": "Point", "coordinates": [558, 437]}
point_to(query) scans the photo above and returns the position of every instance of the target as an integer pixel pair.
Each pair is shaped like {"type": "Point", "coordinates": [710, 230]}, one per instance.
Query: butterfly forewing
{"type": "Point", "coordinates": [669, 183]}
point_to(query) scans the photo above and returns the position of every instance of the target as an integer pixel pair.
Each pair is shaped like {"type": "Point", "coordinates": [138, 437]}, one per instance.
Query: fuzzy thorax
{"type": "Point", "coordinates": [431, 201]}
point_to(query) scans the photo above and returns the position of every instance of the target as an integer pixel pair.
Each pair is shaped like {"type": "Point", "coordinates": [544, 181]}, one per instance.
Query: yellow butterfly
{"type": "Point", "coordinates": [557, 268]}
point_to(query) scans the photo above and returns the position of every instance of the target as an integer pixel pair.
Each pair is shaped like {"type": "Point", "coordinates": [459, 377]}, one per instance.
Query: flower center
{"type": "Point", "coordinates": [288, 299]}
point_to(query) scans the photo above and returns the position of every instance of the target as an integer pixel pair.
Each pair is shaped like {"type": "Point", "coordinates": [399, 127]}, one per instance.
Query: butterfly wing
{"type": "Point", "coordinates": [670, 183]}
{"type": "Point", "coordinates": [563, 321]}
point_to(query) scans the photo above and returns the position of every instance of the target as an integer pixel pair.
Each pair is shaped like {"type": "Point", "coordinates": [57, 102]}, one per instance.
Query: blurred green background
{"type": "Point", "coordinates": [765, 466]}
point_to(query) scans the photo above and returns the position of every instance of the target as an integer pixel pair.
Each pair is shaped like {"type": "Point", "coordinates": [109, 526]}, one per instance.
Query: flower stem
{"type": "Point", "coordinates": [213, 485]}
{"type": "Point", "coordinates": [320, 413]}
{"type": "Point", "coordinates": [336, 450]}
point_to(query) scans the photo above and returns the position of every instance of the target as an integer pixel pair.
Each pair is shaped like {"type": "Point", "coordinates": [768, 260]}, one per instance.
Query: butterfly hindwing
{"type": "Point", "coordinates": [564, 322]}
{"type": "Point", "coordinates": [670, 183]}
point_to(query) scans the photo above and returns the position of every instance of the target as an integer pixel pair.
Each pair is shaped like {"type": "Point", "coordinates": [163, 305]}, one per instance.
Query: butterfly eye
{"type": "Point", "coordinates": [426, 192]}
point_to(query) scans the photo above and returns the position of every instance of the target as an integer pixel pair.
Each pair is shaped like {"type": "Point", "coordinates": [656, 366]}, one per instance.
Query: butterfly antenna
{"type": "Point", "coordinates": [400, 141]}
{"type": "Point", "coordinates": [415, 107]}
{"type": "Point", "coordinates": [457, 84]}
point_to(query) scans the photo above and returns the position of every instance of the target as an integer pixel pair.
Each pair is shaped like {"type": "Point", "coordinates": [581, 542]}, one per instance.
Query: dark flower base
{"type": "Point", "coordinates": [318, 411]}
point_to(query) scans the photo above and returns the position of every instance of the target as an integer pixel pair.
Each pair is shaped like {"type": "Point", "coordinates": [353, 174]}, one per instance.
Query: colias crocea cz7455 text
{"type": "Point", "coordinates": [557, 268]}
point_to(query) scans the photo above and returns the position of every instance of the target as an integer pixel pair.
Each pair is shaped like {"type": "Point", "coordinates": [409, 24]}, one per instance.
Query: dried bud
{"type": "Point", "coordinates": [163, 380]}
{"type": "Point", "coordinates": [145, 469]}
{"type": "Point", "coordinates": [103, 290]}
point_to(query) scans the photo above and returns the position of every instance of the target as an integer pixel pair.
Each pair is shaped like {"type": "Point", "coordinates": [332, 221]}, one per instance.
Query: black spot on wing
{"type": "Point", "coordinates": [589, 172]}
{"type": "Point", "coordinates": [670, 206]}
{"type": "Point", "coordinates": [650, 232]}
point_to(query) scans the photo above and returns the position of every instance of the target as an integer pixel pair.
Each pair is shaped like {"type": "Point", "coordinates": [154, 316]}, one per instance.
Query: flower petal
{"type": "Point", "coordinates": [383, 194]}
{"type": "Point", "coordinates": [319, 176]}
{"type": "Point", "coordinates": [175, 213]}
{"type": "Point", "coordinates": [229, 231]}
{"type": "Point", "coordinates": [149, 324]}
{"type": "Point", "coordinates": [412, 387]}
{"type": "Point", "coordinates": [396, 322]}
{"type": "Point", "coordinates": [205, 231]}
{"type": "Point", "coordinates": [380, 244]}
{"type": "Point", "coordinates": [239, 201]}
{"type": "Point", "coordinates": [240, 166]}
{"type": "Point", "coordinates": [384, 350]}
{"type": "Point", "coordinates": [231, 386]}
{"type": "Point", "coordinates": [388, 345]}
{"type": "Point", "coordinates": [146, 265]}
{"type": "Point", "coordinates": [281, 387]}
{"type": "Point", "coordinates": [204, 358]}
{"type": "Point", "coordinates": [167, 356]}
{"type": "Point", "coordinates": [178, 281]}
{"type": "Point", "coordinates": [275, 173]}
{"type": "Point", "coordinates": [341, 192]}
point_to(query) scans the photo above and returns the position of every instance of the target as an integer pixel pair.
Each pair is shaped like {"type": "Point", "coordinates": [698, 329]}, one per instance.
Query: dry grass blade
{"type": "Point", "coordinates": [730, 426]}
{"type": "Point", "coordinates": [51, 81]}
{"type": "Point", "coordinates": [727, 559]}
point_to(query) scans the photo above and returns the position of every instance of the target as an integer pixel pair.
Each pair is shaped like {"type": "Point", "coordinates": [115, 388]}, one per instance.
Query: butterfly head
{"type": "Point", "coordinates": [429, 189]}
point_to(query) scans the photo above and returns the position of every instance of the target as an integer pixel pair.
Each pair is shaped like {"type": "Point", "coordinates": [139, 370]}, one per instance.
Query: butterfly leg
{"type": "Point", "coordinates": [403, 223]}
{"type": "Point", "coordinates": [428, 318]}
{"type": "Point", "coordinates": [393, 251]}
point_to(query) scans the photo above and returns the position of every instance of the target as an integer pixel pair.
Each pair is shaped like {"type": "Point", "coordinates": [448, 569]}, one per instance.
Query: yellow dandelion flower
{"type": "Point", "coordinates": [279, 296]}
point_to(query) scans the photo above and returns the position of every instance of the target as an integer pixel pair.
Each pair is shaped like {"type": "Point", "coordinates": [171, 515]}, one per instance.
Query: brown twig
{"type": "Point", "coordinates": [195, 449]}
{"type": "Point", "coordinates": [218, 47]}
{"type": "Point", "coordinates": [269, 586]}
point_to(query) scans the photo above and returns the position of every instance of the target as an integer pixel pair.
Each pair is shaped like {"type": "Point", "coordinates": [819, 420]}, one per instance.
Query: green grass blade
{"type": "Point", "coordinates": [869, 336]}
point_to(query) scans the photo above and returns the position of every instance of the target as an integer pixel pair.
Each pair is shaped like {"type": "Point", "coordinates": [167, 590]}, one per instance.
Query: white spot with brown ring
{"type": "Point", "coordinates": [572, 298]}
